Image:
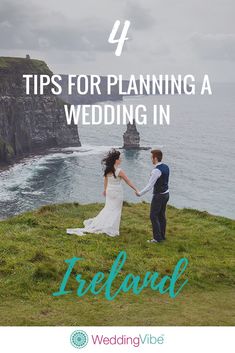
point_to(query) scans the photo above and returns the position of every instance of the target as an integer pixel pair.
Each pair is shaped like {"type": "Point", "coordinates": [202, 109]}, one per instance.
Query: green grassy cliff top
{"type": "Point", "coordinates": [23, 64]}
{"type": "Point", "coordinates": [34, 245]}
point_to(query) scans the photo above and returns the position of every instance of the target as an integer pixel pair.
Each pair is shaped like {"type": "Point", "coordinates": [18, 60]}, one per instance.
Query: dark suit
{"type": "Point", "coordinates": [158, 215]}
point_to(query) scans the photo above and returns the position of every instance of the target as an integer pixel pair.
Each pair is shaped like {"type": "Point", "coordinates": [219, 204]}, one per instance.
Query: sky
{"type": "Point", "coordinates": [165, 37]}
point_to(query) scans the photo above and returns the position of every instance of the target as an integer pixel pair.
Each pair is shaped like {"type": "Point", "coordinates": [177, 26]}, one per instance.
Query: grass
{"type": "Point", "coordinates": [13, 64]}
{"type": "Point", "coordinates": [6, 151]}
{"type": "Point", "coordinates": [34, 245]}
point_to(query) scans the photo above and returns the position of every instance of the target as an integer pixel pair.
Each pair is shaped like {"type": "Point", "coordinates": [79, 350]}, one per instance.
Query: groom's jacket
{"type": "Point", "coordinates": [161, 184]}
{"type": "Point", "coordinates": [158, 180]}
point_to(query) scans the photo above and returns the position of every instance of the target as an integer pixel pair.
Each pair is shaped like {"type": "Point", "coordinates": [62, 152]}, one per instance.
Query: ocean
{"type": "Point", "coordinates": [198, 145]}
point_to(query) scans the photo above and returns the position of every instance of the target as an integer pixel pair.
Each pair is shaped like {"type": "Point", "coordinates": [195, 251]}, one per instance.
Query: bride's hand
{"type": "Point", "coordinates": [137, 192]}
{"type": "Point", "coordinates": [104, 193]}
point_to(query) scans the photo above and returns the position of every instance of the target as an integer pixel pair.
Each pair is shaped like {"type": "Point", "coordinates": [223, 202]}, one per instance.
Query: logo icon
{"type": "Point", "coordinates": [120, 42]}
{"type": "Point", "coordinates": [79, 339]}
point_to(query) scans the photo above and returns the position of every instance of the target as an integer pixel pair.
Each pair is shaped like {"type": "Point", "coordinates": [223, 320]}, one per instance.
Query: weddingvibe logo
{"type": "Point", "coordinates": [124, 340]}
{"type": "Point", "coordinates": [79, 339]}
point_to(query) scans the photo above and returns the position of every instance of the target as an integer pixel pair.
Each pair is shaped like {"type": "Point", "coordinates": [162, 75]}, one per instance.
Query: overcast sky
{"type": "Point", "coordinates": [167, 36]}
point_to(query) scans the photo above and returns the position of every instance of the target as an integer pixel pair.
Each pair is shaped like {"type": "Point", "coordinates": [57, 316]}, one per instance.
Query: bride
{"type": "Point", "coordinates": [108, 220]}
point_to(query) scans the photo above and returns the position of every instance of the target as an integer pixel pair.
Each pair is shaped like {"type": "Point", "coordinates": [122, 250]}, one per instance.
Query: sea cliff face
{"type": "Point", "coordinates": [28, 122]}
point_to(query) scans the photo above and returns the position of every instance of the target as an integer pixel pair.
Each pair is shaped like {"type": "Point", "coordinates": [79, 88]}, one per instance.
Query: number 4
{"type": "Point", "coordinates": [122, 38]}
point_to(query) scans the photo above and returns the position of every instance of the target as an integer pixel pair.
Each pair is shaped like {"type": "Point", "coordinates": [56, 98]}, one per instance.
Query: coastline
{"type": "Point", "coordinates": [36, 152]}
{"type": "Point", "coordinates": [201, 213]}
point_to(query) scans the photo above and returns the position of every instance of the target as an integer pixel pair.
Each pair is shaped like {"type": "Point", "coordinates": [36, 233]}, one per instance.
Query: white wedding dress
{"type": "Point", "coordinates": [108, 220]}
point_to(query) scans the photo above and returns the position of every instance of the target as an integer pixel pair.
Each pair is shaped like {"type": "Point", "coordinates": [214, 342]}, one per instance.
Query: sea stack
{"type": "Point", "coordinates": [131, 138]}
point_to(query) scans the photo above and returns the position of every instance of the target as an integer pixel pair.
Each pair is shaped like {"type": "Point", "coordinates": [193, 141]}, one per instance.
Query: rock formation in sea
{"type": "Point", "coordinates": [30, 123]}
{"type": "Point", "coordinates": [131, 138]}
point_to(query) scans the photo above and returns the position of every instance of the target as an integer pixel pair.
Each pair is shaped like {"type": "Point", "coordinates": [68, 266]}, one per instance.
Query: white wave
{"type": "Point", "coordinates": [32, 192]}
{"type": "Point", "coordinates": [88, 150]}
{"type": "Point", "coordinates": [18, 177]}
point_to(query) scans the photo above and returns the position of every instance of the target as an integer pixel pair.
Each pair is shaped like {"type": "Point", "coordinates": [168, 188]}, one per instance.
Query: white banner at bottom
{"type": "Point", "coordinates": [116, 339]}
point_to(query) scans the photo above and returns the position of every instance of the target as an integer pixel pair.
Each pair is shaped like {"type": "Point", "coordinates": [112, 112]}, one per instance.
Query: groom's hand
{"type": "Point", "coordinates": [137, 193]}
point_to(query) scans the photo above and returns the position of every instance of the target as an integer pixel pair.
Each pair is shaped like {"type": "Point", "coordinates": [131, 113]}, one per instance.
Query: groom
{"type": "Point", "coordinates": [159, 182]}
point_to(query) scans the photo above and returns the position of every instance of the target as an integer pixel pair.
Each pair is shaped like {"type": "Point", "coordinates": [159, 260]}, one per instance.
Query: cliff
{"type": "Point", "coordinates": [115, 95]}
{"type": "Point", "coordinates": [27, 122]}
{"type": "Point", "coordinates": [90, 98]}
{"type": "Point", "coordinates": [33, 264]}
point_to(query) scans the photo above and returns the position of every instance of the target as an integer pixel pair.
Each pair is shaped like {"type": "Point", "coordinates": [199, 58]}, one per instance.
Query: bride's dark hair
{"type": "Point", "coordinates": [109, 160]}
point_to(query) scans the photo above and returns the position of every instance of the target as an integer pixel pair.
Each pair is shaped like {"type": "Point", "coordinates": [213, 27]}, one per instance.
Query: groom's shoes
{"type": "Point", "coordinates": [153, 241]}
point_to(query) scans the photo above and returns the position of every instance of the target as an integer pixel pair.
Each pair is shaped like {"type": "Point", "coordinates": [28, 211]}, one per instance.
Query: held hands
{"type": "Point", "coordinates": [104, 193]}
{"type": "Point", "coordinates": [137, 193]}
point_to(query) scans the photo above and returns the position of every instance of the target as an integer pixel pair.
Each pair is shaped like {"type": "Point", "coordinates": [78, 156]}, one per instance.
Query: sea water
{"type": "Point", "coordinates": [198, 145]}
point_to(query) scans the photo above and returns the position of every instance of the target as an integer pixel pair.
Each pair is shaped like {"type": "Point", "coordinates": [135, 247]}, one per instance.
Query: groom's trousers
{"type": "Point", "coordinates": [158, 215]}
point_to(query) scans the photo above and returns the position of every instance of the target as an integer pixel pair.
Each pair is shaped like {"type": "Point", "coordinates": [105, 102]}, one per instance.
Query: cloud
{"type": "Point", "coordinates": [73, 36]}
{"type": "Point", "coordinates": [140, 17]}
{"type": "Point", "coordinates": [214, 46]}
{"type": "Point", "coordinates": [30, 27]}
